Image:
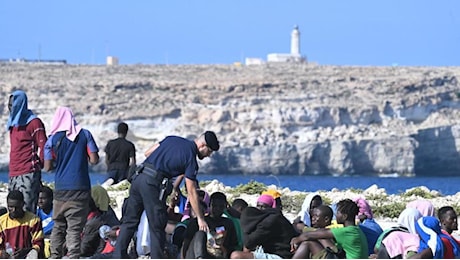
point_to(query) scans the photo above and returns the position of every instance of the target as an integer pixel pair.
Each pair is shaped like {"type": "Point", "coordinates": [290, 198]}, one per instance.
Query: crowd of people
{"type": "Point", "coordinates": [162, 219]}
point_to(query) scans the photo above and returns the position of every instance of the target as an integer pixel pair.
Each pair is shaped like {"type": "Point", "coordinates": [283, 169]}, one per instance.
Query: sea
{"type": "Point", "coordinates": [446, 185]}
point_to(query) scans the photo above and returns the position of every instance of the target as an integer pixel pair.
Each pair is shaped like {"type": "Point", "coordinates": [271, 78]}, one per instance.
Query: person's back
{"type": "Point", "coordinates": [120, 156]}
{"type": "Point", "coordinates": [71, 148]}
{"type": "Point", "coordinates": [267, 228]}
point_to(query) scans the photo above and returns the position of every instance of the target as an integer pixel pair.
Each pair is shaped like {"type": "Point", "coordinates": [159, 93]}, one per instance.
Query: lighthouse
{"type": "Point", "coordinates": [295, 41]}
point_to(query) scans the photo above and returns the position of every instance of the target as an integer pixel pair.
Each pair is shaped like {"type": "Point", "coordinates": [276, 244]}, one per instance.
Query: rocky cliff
{"type": "Point", "coordinates": [271, 119]}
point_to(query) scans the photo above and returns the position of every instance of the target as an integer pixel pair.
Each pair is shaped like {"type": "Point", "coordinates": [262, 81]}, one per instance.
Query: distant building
{"type": "Point", "coordinates": [294, 56]}
{"type": "Point", "coordinates": [253, 61]}
{"type": "Point", "coordinates": [112, 61]}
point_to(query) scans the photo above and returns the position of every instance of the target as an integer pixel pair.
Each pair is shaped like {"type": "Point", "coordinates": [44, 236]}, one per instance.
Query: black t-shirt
{"type": "Point", "coordinates": [118, 152]}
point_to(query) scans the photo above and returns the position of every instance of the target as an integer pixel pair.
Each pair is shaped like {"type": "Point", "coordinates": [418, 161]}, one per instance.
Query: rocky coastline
{"type": "Point", "coordinates": [298, 119]}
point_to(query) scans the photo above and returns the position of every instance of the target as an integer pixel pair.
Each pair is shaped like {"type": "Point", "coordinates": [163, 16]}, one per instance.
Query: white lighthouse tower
{"type": "Point", "coordinates": [295, 42]}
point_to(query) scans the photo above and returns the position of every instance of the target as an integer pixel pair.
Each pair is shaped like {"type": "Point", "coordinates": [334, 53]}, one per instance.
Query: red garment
{"type": "Point", "coordinates": [448, 249]}
{"type": "Point", "coordinates": [25, 142]}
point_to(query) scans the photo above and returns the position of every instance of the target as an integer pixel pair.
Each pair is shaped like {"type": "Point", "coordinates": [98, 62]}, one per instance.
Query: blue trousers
{"type": "Point", "coordinates": [143, 194]}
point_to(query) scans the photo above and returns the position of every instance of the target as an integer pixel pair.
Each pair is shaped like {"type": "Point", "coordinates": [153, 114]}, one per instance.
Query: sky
{"type": "Point", "coordinates": [351, 32]}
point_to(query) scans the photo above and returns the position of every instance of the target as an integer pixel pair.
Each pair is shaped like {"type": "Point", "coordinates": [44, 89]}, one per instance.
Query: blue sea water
{"type": "Point", "coordinates": [392, 185]}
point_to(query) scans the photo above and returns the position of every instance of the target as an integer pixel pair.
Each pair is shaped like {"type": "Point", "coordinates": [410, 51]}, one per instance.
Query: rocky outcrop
{"type": "Point", "coordinates": [271, 119]}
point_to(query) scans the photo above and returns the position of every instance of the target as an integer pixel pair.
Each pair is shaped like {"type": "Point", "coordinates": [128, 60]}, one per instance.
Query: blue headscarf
{"type": "Point", "coordinates": [429, 230]}
{"type": "Point", "coordinates": [20, 114]}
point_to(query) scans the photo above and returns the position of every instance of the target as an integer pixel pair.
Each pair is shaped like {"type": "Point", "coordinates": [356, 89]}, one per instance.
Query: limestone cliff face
{"type": "Point", "coordinates": [271, 119]}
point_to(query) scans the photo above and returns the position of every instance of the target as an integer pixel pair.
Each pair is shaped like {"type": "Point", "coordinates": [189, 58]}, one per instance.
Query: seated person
{"type": "Point", "coordinates": [311, 201]}
{"type": "Point", "coordinates": [202, 195]}
{"type": "Point", "coordinates": [404, 241]}
{"type": "Point", "coordinates": [221, 239]}
{"type": "Point", "coordinates": [398, 244]}
{"type": "Point", "coordinates": [276, 195]}
{"type": "Point", "coordinates": [91, 242]}
{"type": "Point", "coordinates": [22, 234]}
{"type": "Point", "coordinates": [45, 209]}
{"type": "Point", "coordinates": [433, 242]}
{"type": "Point", "coordinates": [238, 205]}
{"type": "Point", "coordinates": [45, 213]}
{"type": "Point", "coordinates": [178, 234]}
{"type": "Point", "coordinates": [370, 228]}
{"type": "Point", "coordinates": [448, 219]}
{"type": "Point", "coordinates": [350, 238]}
{"type": "Point", "coordinates": [234, 213]}
{"type": "Point", "coordinates": [266, 232]}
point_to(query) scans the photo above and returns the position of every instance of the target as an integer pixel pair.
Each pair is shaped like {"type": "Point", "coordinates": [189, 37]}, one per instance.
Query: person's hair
{"type": "Point", "coordinates": [443, 210]}
{"type": "Point", "coordinates": [349, 207]}
{"type": "Point", "coordinates": [218, 196]}
{"type": "Point", "coordinates": [48, 191]}
{"type": "Point", "coordinates": [317, 197]}
{"type": "Point", "coordinates": [15, 195]}
{"type": "Point", "coordinates": [240, 203]}
{"type": "Point", "coordinates": [122, 128]}
{"type": "Point", "coordinates": [326, 211]}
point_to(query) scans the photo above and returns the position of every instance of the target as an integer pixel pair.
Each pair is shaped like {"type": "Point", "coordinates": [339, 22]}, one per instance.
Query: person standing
{"type": "Point", "coordinates": [27, 139]}
{"type": "Point", "coordinates": [120, 156]}
{"type": "Point", "coordinates": [172, 157]}
{"type": "Point", "coordinates": [70, 147]}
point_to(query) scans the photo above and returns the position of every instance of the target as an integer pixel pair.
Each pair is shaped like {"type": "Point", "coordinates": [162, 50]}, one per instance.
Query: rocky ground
{"type": "Point", "coordinates": [271, 119]}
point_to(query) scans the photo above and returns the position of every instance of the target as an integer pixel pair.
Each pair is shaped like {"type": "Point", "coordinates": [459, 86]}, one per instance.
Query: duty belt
{"type": "Point", "coordinates": [163, 180]}
{"type": "Point", "coordinates": [148, 170]}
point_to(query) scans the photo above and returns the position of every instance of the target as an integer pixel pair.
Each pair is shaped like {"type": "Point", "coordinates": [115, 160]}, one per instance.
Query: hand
{"type": "Point", "coordinates": [202, 225]}
{"type": "Point", "coordinates": [295, 243]}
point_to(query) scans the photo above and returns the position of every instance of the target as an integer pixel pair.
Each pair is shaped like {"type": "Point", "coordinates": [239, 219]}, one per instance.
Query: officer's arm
{"type": "Point", "coordinates": [151, 149]}
{"type": "Point", "coordinates": [193, 198]}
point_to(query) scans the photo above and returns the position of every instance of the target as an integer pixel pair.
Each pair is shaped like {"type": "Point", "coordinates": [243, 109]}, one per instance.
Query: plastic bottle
{"type": "Point", "coordinates": [9, 250]}
{"type": "Point", "coordinates": [211, 240]}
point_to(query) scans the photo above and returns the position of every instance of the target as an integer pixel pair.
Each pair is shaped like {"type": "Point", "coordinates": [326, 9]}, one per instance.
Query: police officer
{"type": "Point", "coordinates": [172, 157]}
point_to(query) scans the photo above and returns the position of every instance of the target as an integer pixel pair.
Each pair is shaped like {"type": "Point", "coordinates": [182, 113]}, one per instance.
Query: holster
{"type": "Point", "coordinates": [164, 181]}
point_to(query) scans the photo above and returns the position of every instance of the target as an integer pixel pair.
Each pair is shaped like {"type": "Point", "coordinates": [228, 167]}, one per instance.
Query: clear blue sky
{"type": "Point", "coordinates": [352, 32]}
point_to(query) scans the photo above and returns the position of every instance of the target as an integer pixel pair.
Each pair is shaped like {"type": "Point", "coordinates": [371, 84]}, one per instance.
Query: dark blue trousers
{"type": "Point", "coordinates": [143, 194]}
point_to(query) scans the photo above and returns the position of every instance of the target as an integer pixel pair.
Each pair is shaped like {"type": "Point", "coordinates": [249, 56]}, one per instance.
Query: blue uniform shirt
{"type": "Point", "coordinates": [175, 156]}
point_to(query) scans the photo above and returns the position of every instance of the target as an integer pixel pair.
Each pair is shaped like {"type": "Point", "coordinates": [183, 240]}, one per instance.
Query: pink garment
{"type": "Point", "coordinates": [64, 120]}
{"type": "Point", "coordinates": [364, 207]}
{"type": "Point", "coordinates": [400, 243]}
{"type": "Point", "coordinates": [267, 199]}
{"type": "Point", "coordinates": [424, 206]}
{"type": "Point", "coordinates": [187, 209]}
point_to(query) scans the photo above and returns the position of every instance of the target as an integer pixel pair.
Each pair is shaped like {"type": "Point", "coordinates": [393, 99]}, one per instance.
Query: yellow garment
{"type": "Point", "coordinates": [334, 224]}
{"type": "Point", "coordinates": [47, 249]}
{"type": "Point", "coordinates": [272, 192]}
{"type": "Point", "coordinates": [101, 197]}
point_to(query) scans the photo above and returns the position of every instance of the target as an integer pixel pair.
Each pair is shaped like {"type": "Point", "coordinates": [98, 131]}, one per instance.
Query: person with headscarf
{"type": "Point", "coordinates": [424, 206]}
{"type": "Point", "coordinates": [68, 150]}
{"type": "Point", "coordinates": [266, 232]}
{"type": "Point", "coordinates": [401, 240]}
{"type": "Point", "coordinates": [27, 141]}
{"type": "Point", "coordinates": [303, 219]}
{"type": "Point", "coordinates": [367, 223]}
{"type": "Point", "coordinates": [265, 201]}
{"type": "Point", "coordinates": [276, 195]}
{"type": "Point", "coordinates": [433, 242]}
{"type": "Point", "coordinates": [100, 214]}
